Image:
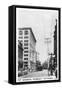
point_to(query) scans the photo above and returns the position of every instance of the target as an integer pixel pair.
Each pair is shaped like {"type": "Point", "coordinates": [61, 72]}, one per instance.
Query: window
{"type": "Point", "coordinates": [25, 40]}
{"type": "Point", "coordinates": [26, 37]}
{"type": "Point", "coordinates": [25, 47]}
{"type": "Point", "coordinates": [25, 44]}
{"type": "Point", "coordinates": [21, 41]}
{"type": "Point", "coordinates": [20, 32]}
{"type": "Point", "coordinates": [26, 32]}
{"type": "Point", "coordinates": [25, 58]}
{"type": "Point", "coordinates": [25, 63]}
{"type": "Point", "coordinates": [20, 37]}
{"type": "Point", "coordinates": [25, 54]}
{"type": "Point", "coordinates": [25, 51]}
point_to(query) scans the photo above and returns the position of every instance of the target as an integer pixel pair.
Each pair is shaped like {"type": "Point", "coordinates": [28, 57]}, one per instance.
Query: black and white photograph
{"type": "Point", "coordinates": [37, 44]}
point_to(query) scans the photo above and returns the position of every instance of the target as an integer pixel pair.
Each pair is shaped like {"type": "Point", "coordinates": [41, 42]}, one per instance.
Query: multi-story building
{"type": "Point", "coordinates": [55, 49]}
{"type": "Point", "coordinates": [20, 55]}
{"type": "Point", "coordinates": [55, 42]}
{"type": "Point", "coordinates": [28, 41]}
{"type": "Point", "coordinates": [53, 56]}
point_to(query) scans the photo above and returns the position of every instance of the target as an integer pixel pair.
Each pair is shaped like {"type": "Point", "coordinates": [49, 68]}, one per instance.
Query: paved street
{"type": "Point", "coordinates": [39, 75]}
{"type": "Point", "coordinates": [36, 74]}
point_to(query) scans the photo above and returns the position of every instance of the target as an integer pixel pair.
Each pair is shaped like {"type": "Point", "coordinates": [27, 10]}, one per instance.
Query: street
{"type": "Point", "coordinates": [43, 73]}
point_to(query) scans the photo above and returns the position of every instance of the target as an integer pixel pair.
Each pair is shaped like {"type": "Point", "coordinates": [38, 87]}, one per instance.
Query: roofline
{"type": "Point", "coordinates": [29, 28]}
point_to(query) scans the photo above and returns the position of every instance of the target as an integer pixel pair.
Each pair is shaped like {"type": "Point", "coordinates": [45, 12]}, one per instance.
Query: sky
{"type": "Point", "coordinates": [42, 23]}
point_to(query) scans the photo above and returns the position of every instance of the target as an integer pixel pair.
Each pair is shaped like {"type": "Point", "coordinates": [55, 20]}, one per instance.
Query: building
{"type": "Point", "coordinates": [55, 42]}
{"type": "Point", "coordinates": [28, 41]}
{"type": "Point", "coordinates": [53, 56]}
{"type": "Point", "coordinates": [37, 56]}
{"type": "Point", "coordinates": [55, 48]}
{"type": "Point", "coordinates": [20, 56]}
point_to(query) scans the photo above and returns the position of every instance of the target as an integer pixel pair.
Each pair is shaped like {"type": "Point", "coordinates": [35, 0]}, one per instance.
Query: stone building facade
{"type": "Point", "coordinates": [28, 41]}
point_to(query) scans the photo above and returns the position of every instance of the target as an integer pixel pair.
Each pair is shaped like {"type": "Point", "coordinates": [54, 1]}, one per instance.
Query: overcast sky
{"type": "Point", "coordinates": [42, 23]}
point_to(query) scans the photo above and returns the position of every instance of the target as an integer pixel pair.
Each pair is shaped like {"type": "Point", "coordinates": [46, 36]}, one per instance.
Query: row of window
{"type": "Point", "coordinates": [26, 41]}
{"type": "Point", "coordinates": [25, 32]}
{"type": "Point", "coordinates": [25, 58]}
{"type": "Point", "coordinates": [22, 37]}
{"type": "Point", "coordinates": [25, 54]}
{"type": "Point", "coordinates": [25, 44]}
{"type": "Point", "coordinates": [26, 37]}
{"type": "Point", "coordinates": [25, 51]}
